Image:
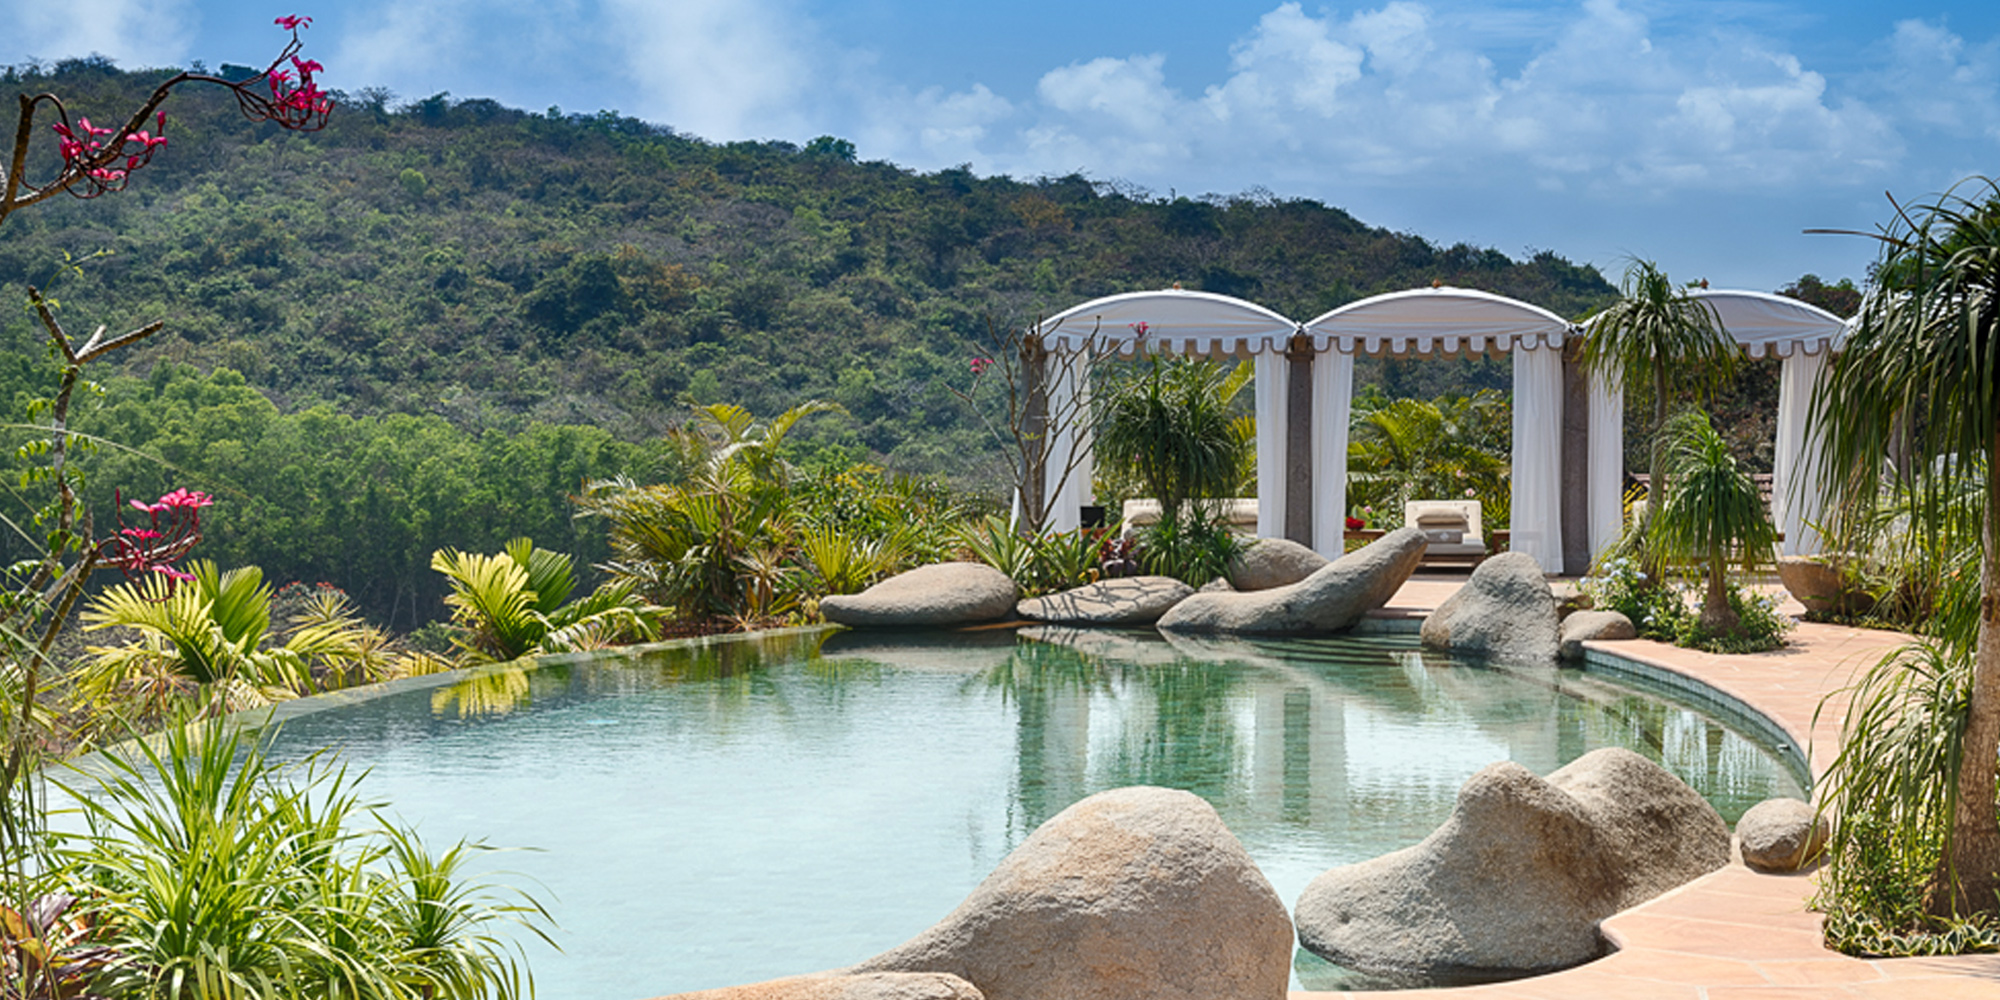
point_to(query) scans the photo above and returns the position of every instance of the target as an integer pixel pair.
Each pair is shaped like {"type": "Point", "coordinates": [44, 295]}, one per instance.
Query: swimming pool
{"type": "Point", "coordinates": [728, 811]}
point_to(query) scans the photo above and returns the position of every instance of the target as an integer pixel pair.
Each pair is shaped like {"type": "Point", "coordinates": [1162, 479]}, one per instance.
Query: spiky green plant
{"type": "Point", "coordinates": [216, 873]}
{"type": "Point", "coordinates": [1711, 514]}
{"type": "Point", "coordinates": [1172, 430]}
{"type": "Point", "coordinates": [1924, 356]}
{"type": "Point", "coordinates": [1659, 334]}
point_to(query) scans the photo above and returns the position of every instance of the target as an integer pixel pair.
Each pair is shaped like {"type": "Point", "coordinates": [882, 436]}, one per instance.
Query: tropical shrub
{"type": "Point", "coordinates": [1453, 447]}
{"type": "Point", "coordinates": [208, 638]}
{"type": "Point", "coordinates": [213, 872]}
{"type": "Point", "coordinates": [1173, 433]}
{"type": "Point", "coordinates": [517, 603]}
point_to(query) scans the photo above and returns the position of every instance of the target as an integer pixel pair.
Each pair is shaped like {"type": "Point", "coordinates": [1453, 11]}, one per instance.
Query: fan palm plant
{"type": "Point", "coordinates": [1711, 513]}
{"type": "Point", "coordinates": [511, 605]}
{"type": "Point", "coordinates": [1926, 348]}
{"type": "Point", "coordinates": [209, 635]}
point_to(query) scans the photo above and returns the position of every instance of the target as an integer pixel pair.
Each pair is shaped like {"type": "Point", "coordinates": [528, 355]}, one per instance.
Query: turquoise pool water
{"type": "Point", "coordinates": [756, 808]}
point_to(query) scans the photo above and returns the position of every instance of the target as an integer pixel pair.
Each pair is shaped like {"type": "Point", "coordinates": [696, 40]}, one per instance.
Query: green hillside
{"type": "Point", "coordinates": [472, 271]}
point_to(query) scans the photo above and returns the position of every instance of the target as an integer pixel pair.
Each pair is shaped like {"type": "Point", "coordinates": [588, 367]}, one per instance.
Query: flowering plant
{"type": "Point", "coordinates": [100, 159]}
{"type": "Point", "coordinates": [174, 526]}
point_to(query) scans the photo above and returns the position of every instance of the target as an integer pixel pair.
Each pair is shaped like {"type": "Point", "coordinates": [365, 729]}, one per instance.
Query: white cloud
{"type": "Point", "coordinates": [1936, 78]}
{"type": "Point", "coordinates": [135, 33]}
{"type": "Point", "coordinates": [723, 69]}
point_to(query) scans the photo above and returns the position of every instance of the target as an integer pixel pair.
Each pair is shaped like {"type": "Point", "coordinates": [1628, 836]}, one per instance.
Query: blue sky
{"type": "Point", "coordinates": [1703, 135]}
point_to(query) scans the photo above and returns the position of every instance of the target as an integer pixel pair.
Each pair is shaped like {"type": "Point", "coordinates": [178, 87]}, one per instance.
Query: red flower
{"type": "Point", "coordinates": [293, 22]}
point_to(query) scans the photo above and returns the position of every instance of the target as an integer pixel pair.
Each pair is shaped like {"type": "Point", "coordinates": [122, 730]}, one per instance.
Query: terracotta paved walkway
{"type": "Point", "coordinates": [1735, 934]}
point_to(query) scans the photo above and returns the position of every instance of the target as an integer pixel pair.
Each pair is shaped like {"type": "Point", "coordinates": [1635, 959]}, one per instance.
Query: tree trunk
{"type": "Point", "coordinates": [1717, 617]}
{"type": "Point", "coordinates": [1969, 881]}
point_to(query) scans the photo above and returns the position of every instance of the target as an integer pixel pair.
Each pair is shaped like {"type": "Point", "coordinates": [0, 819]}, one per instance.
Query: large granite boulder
{"type": "Point", "coordinates": [1131, 894]}
{"type": "Point", "coordinates": [1819, 583]}
{"type": "Point", "coordinates": [1273, 562]}
{"type": "Point", "coordinates": [955, 593]}
{"type": "Point", "coordinates": [1592, 626]}
{"type": "Point", "coordinates": [1505, 611]}
{"type": "Point", "coordinates": [832, 986]}
{"type": "Point", "coordinates": [1658, 833]}
{"type": "Point", "coordinates": [1781, 835]}
{"type": "Point", "coordinates": [1127, 600]}
{"type": "Point", "coordinates": [1333, 598]}
{"type": "Point", "coordinates": [1518, 878]}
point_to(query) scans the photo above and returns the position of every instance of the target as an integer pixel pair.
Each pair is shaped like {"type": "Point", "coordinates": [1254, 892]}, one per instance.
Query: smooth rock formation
{"type": "Point", "coordinates": [1130, 600]}
{"type": "Point", "coordinates": [825, 986]}
{"type": "Point", "coordinates": [1131, 894]}
{"type": "Point", "coordinates": [1505, 611]}
{"type": "Point", "coordinates": [1820, 586]}
{"type": "Point", "coordinates": [1781, 835]}
{"type": "Point", "coordinates": [957, 593]}
{"type": "Point", "coordinates": [1658, 833]}
{"type": "Point", "coordinates": [1590, 626]}
{"type": "Point", "coordinates": [1519, 876]}
{"type": "Point", "coordinates": [1219, 585]}
{"type": "Point", "coordinates": [1273, 562]}
{"type": "Point", "coordinates": [1331, 599]}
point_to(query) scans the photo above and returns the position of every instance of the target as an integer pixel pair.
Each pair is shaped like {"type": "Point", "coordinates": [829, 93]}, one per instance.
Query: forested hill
{"type": "Point", "coordinates": [487, 264]}
{"type": "Point", "coordinates": [425, 325]}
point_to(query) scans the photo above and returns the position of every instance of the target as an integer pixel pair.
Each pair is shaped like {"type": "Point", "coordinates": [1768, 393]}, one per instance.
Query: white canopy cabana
{"type": "Point", "coordinates": [1804, 335]}
{"type": "Point", "coordinates": [1448, 321]}
{"type": "Point", "coordinates": [1176, 322]}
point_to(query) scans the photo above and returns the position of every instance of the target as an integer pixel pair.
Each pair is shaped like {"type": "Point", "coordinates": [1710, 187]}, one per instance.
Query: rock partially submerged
{"type": "Point", "coordinates": [1518, 878]}
{"type": "Point", "coordinates": [1593, 626]}
{"type": "Point", "coordinates": [1331, 599]}
{"type": "Point", "coordinates": [1131, 894]}
{"type": "Point", "coordinates": [833, 986]}
{"type": "Point", "coordinates": [1273, 562]}
{"type": "Point", "coordinates": [1129, 600]}
{"type": "Point", "coordinates": [1505, 611]}
{"type": "Point", "coordinates": [941, 594]}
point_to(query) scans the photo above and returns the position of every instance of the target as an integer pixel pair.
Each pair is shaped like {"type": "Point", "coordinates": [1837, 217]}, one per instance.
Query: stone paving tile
{"type": "Point", "coordinates": [1819, 971]}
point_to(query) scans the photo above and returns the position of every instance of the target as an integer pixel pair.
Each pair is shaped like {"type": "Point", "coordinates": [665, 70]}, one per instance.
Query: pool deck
{"type": "Point", "coordinates": [1734, 934]}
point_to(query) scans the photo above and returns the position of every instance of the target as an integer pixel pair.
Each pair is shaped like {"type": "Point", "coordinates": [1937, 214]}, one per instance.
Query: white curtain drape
{"type": "Point", "coordinates": [1333, 396]}
{"type": "Point", "coordinates": [1066, 434]}
{"type": "Point", "coordinates": [1798, 493]}
{"type": "Point", "coordinates": [1605, 484]}
{"type": "Point", "coordinates": [1536, 519]}
{"type": "Point", "coordinates": [1270, 384]}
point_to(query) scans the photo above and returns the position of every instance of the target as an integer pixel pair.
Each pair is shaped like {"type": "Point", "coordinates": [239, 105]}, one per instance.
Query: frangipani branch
{"type": "Point", "coordinates": [99, 160]}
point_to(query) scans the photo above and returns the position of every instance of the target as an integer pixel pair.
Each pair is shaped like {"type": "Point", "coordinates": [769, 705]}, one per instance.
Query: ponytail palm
{"type": "Point", "coordinates": [1711, 513]}
{"type": "Point", "coordinates": [1926, 348]}
{"type": "Point", "coordinates": [1659, 334]}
